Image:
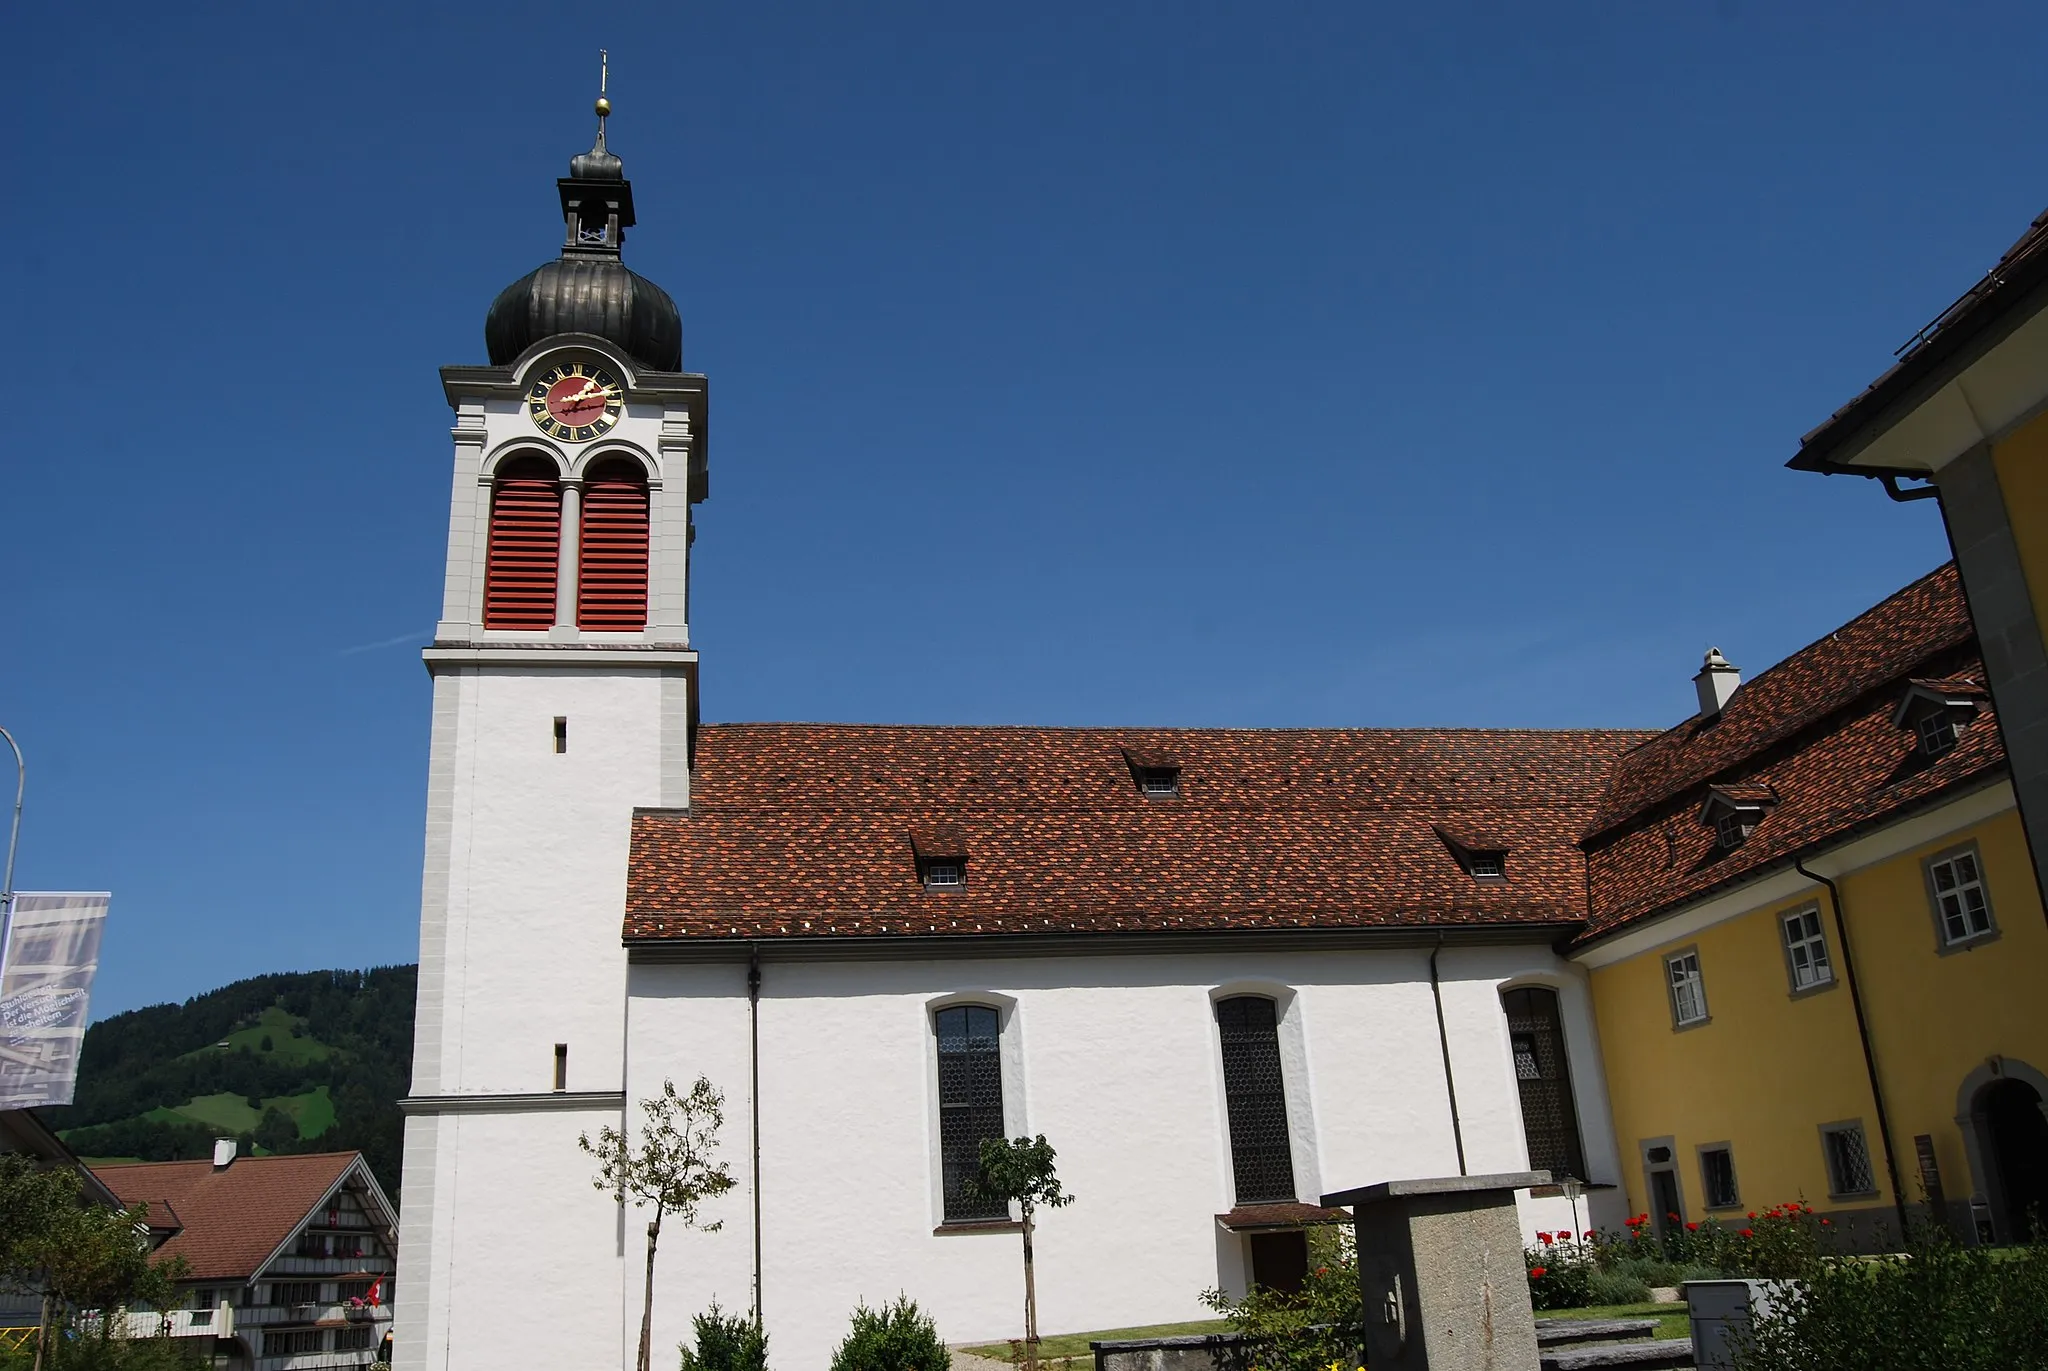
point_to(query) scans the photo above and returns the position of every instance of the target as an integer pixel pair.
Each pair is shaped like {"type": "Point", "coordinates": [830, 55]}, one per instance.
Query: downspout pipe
{"type": "Point", "coordinates": [1884, 1123]}
{"type": "Point", "coordinates": [1443, 1041]}
{"type": "Point", "coordinates": [754, 1103]}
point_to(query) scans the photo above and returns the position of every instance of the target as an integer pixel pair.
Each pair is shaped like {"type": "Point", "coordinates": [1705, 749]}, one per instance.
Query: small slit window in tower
{"type": "Point", "coordinates": [521, 561]}
{"type": "Point", "coordinates": [611, 577]}
{"type": "Point", "coordinates": [561, 734]}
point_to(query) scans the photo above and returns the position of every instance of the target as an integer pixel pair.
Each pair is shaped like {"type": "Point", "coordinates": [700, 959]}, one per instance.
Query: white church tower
{"type": "Point", "coordinates": [564, 692]}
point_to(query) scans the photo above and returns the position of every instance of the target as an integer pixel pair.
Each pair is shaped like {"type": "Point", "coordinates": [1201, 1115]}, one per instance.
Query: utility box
{"type": "Point", "coordinates": [1724, 1312]}
{"type": "Point", "coordinates": [1440, 1266]}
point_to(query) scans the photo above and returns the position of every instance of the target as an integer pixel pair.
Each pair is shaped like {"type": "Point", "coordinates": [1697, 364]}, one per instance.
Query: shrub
{"type": "Point", "coordinates": [896, 1337]}
{"type": "Point", "coordinates": [1612, 1287]}
{"type": "Point", "coordinates": [725, 1342]}
{"type": "Point", "coordinates": [1561, 1268]}
{"type": "Point", "coordinates": [1938, 1307]}
{"type": "Point", "coordinates": [1323, 1323]}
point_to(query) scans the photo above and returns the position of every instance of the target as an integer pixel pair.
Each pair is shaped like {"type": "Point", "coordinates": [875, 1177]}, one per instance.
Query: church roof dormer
{"type": "Point", "coordinates": [588, 289]}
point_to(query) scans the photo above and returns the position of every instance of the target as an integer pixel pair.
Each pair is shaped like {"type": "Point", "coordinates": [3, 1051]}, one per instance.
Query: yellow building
{"type": "Point", "coordinates": [1965, 410]}
{"type": "Point", "coordinates": [1816, 939]}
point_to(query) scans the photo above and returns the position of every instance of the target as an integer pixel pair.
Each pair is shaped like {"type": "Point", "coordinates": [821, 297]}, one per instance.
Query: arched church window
{"type": "Point", "coordinates": [1255, 1094]}
{"type": "Point", "coordinates": [611, 567]}
{"type": "Point", "coordinates": [970, 1106]}
{"type": "Point", "coordinates": [520, 566]}
{"type": "Point", "coordinates": [1550, 1117]}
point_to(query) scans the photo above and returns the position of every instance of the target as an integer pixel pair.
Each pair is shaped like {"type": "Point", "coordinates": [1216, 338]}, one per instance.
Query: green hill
{"type": "Point", "coordinates": [313, 1061]}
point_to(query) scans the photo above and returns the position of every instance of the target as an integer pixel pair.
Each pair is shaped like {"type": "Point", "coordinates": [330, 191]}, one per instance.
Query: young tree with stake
{"type": "Point", "coordinates": [1022, 1171]}
{"type": "Point", "coordinates": [671, 1169]}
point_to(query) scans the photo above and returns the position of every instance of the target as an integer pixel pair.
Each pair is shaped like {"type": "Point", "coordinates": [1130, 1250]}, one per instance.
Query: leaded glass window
{"type": "Point", "coordinates": [970, 1106]}
{"type": "Point", "coordinates": [1550, 1117]}
{"type": "Point", "coordinates": [1848, 1157]}
{"type": "Point", "coordinates": [1256, 1095]}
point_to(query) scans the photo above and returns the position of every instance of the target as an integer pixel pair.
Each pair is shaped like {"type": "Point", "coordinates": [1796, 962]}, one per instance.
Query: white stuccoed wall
{"type": "Point", "coordinates": [1120, 1070]}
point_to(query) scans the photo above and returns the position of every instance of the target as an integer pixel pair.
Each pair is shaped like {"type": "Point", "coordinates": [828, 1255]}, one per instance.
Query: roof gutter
{"type": "Point", "coordinates": [939, 946]}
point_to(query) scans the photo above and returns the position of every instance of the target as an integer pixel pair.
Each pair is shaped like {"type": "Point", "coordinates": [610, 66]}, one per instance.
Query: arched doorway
{"type": "Point", "coordinates": [2012, 1138]}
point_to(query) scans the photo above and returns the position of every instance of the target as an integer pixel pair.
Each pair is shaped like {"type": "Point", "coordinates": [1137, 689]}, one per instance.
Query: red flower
{"type": "Point", "coordinates": [1752, 1213]}
{"type": "Point", "coordinates": [1536, 1273]}
{"type": "Point", "coordinates": [1746, 1233]}
{"type": "Point", "coordinates": [1588, 1234]}
{"type": "Point", "coordinates": [1824, 1223]}
{"type": "Point", "coordinates": [1674, 1218]}
{"type": "Point", "coordinates": [1691, 1227]}
{"type": "Point", "coordinates": [1543, 1237]}
{"type": "Point", "coordinates": [1322, 1270]}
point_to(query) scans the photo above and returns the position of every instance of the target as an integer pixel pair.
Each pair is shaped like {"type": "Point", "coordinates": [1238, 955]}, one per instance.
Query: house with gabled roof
{"type": "Point", "coordinates": [1815, 942]}
{"type": "Point", "coordinates": [290, 1260]}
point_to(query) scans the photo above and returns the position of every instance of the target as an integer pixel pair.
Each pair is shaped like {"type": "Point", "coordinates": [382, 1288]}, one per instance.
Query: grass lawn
{"type": "Point", "coordinates": [228, 1112]}
{"type": "Point", "coordinates": [1672, 1320]}
{"type": "Point", "coordinates": [313, 1111]}
{"type": "Point", "coordinates": [1076, 1344]}
{"type": "Point", "coordinates": [275, 1024]}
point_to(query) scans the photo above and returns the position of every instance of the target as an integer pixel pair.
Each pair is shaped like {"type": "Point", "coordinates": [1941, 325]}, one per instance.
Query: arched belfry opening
{"type": "Point", "coordinates": [611, 563]}
{"type": "Point", "coordinates": [2012, 1138]}
{"type": "Point", "coordinates": [522, 564]}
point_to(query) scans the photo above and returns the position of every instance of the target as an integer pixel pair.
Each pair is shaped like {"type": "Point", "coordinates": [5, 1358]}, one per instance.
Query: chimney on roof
{"type": "Point", "coordinates": [223, 1153]}
{"type": "Point", "coordinates": [1716, 682]}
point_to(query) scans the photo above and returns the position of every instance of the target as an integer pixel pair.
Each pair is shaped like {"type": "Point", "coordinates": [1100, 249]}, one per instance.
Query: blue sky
{"type": "Point", "coordinates": [1230, 364]}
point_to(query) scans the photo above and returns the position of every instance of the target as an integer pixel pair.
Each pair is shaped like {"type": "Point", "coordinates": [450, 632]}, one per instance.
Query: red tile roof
{"type": "Point", "coordinates": [1815, 733]}
{"type": "Point", "coordinates": [1879, 646]}
{"type": "Point", "coordinates": [807, 830]}
{"type": "Point", "coordinates": [814, 830]}
{"type": "Point", "coordinates": [233, 1217]}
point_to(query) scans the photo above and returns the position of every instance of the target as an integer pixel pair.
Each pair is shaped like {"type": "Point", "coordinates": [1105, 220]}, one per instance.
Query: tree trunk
{"type": "Point", "coordinates": [42, 1331]}
{"type": "Point", "coordinates": [647, 1305]}
{"type": "Point", "coordinates": [1030, 1297]}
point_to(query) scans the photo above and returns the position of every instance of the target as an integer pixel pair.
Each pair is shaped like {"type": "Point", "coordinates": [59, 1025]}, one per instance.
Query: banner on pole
{"type": "Point", "coordinates": [53, 948]}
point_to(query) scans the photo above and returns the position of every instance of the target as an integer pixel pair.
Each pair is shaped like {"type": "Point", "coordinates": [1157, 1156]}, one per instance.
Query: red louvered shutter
{"type": "Point", "coordinates": [611, 568]}
{"type": "Point", "coordinates": [526, 540]}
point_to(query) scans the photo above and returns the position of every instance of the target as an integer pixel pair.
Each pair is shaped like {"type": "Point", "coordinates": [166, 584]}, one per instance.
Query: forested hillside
{"type": "Point", "coordinates": [311, 1061]}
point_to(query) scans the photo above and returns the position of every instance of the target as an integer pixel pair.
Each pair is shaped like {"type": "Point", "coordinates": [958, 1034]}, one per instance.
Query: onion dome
{"type": "Point", "coordinates": [588, 289]}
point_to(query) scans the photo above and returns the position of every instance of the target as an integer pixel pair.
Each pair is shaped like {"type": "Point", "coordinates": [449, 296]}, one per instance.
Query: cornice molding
{"type": "Point", "coordinates": [513, 1104]}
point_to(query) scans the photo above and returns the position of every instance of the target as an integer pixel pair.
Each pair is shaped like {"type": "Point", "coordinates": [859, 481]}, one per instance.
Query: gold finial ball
{"type": "Point", "coordinates": [604, 107]}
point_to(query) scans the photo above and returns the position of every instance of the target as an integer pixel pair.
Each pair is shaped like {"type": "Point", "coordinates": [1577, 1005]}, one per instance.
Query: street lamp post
{"type": "Point", "coordinates": [13, 837]}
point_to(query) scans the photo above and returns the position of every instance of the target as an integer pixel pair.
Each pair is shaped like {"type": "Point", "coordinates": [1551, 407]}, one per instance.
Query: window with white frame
{"type": "Point", "coordinates": [1848, 1158]}
{"type": "Point", "coordinates": [1962, 907]}
{"type": "Point", "coordinates": [1806, 949]}
{"type": "Point", "coordinates": [944, 874]}
{"type": "Point", "coordinates": [1688, 989]}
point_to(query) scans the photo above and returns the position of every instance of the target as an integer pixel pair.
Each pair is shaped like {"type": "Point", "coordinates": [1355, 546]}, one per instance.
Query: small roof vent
{"type": "Point", "coordinates": [1156, 774]}
{"type": "Point", "coordinates": [1484, 856]}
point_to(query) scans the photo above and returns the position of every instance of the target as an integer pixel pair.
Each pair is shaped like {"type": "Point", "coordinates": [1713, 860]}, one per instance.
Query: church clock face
{"type": "Point", "coordinates": [575, 402]}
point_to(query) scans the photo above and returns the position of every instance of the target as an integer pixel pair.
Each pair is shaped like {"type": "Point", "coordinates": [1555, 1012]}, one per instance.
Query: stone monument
{"type": "Point", "coordinates": [1440, 1267]}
